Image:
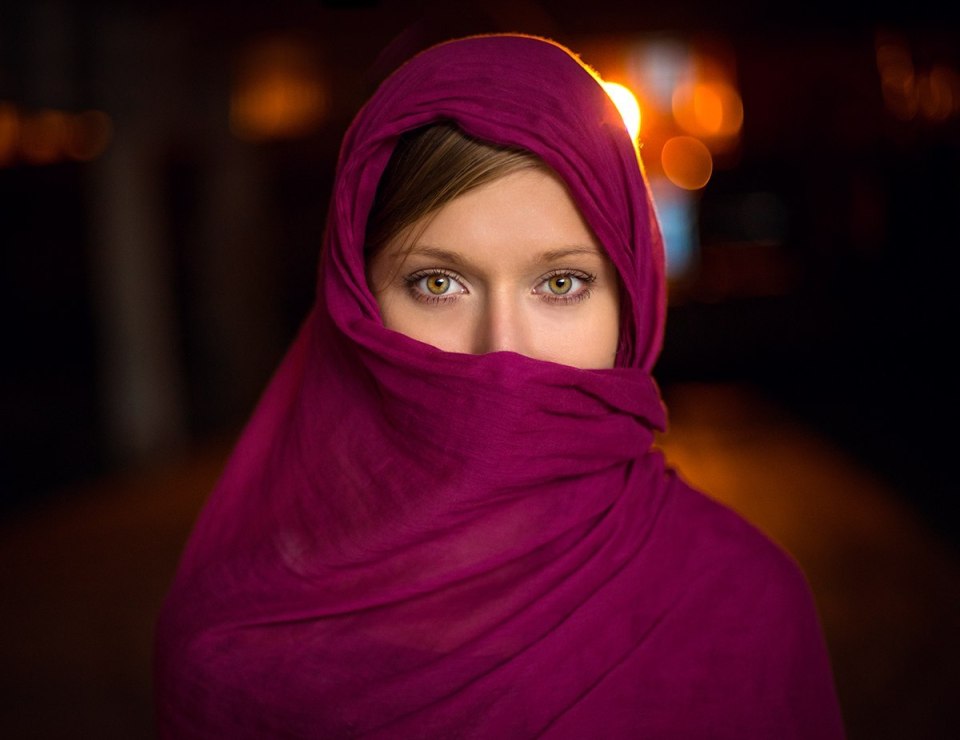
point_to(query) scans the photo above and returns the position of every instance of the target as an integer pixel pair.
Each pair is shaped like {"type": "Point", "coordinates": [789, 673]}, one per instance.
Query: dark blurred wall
{"type": "Point", "coordinates": [861, 343]}
{"type": "Point", "coordinates": [147, 294]}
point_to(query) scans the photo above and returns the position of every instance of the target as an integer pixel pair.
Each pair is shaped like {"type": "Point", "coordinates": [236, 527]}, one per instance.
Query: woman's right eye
{"type": "Point", "coordinates": [434, 285]}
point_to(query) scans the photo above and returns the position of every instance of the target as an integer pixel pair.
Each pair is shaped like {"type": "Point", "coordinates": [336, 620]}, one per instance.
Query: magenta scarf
{"type": "Point", "coordinates": [409, 543]}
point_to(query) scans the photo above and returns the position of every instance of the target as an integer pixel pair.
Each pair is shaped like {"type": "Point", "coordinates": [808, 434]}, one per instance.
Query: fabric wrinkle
{"type": "Point", "coordinates": [408, 542]}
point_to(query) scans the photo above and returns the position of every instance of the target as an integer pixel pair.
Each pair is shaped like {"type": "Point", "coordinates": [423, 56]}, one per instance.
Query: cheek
{"type": "Point", "coordinates": [443, 327]}
{"type": "Point", "coordinates": [396, 312]}
{"type": "Point", "coordinates": [601, 333]}
{"type": "Point", "coordinates": [586, 335]}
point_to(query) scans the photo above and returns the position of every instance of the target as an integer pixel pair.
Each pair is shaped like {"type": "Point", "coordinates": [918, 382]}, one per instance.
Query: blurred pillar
{"type": "Point", "coordinates": [237, 306]}
{"type": "Point", "coordinates": [142, 376]}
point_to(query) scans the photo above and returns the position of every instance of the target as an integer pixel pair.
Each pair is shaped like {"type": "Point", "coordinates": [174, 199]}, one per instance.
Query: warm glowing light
{"type": "Point", "coordinates": [686, 162]}
{"type": "Point", "coordinates": [893, 59]}
{"type": "Point", "coordinates": [897, 78]}
{"type": "Point", "coordinates": [49, 136]}
{"type": "Point", "coordinates": [42, 136]}
{"type": "Point", "coordinates": [88, 135]}
{"type": "Point", "coordinates": [628, 106]}
{"type": "Point", "coordinates": [908, 91]}
{"type": "Point", "coordinates": [935, 93]}
{"type": "Point", "coordinates": [708, 109]}
{"type": "Point", "coordinates": [9, 133]}
{"type": "Point", "coordinates": [901, 97]}
{"type": "Point", "coordinates": [279, 92]}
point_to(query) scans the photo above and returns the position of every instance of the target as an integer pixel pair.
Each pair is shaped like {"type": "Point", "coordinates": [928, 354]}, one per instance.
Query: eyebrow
{"type": "Point", "coordinates": [557, 254]}
{"type": "Point", "coordinates": [551, 255]}
{"type": "Point", "coordinates": [444, 255]}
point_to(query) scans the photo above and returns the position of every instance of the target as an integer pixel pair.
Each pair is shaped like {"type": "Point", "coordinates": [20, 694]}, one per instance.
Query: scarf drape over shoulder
{"type": "Point", "coordinates": [409, 543]}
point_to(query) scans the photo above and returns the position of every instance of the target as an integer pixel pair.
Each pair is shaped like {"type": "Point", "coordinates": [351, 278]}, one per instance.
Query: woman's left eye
{"type": "Point", "coordinates": [564, 285]}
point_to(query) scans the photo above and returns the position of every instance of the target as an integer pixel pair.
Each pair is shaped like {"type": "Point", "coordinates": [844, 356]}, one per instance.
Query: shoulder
{"type": "Point", "coordinates": [753, 589]}
{"type": "Point", "coordinates": [744, 623]}
{"type": "Point", "coordinates": [718, 545]}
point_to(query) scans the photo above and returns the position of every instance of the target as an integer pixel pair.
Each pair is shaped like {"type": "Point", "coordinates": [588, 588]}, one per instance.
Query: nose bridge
{"type": "Point", "coordinates": [502, 324]}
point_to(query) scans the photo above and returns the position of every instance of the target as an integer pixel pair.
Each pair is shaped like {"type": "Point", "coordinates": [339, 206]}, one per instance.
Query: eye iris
{"type": "Point", "coordinates": [438, 284]}
{"type": "Point", "coordinates": [560, 284]}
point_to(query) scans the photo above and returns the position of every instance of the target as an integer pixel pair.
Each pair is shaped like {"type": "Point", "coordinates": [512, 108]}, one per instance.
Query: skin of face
{"type": "Point", "coordinates": [508, 266]}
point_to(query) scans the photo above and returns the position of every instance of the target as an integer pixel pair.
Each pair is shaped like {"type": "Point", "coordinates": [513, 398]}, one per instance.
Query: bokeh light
{"type": "Point", "coordinates": [686, 162]}
{"type": "Point", "coordinates": [42, 136]}
{"type": "Point", "coordinates": [708, 108]}
{"type": "Point", "coordinates": [9, 133]}
{"type": "Point", "coordinates": [909, 92]}
{"type": "Point", "coordinates": [88, 135]}
{"type": "Point", "coordinates": [49, 136]}
{"type": "Point", "coordinates": [936, 93]}
{"type": "Point", "coordinates": [278, 92]}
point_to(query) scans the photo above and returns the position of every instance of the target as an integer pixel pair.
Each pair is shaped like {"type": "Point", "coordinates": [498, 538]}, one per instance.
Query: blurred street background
{"type": "Point", "coordinates": [164, 176]}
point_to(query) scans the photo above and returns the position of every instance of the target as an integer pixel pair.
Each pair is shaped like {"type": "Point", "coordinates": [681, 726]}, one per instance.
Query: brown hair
{"type": "Point", "coordinates": [429, 168]}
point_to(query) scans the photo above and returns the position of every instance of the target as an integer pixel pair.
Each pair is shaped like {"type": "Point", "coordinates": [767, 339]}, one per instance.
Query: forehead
{"type": "Point", "coordinates": [527, 211]}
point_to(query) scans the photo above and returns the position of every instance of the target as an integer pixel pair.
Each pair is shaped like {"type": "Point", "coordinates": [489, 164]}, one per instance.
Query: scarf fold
{"type": "Point", "coordinates": [413, 543]}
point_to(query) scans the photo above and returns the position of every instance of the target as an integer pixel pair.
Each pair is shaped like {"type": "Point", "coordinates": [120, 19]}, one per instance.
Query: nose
{"type": "Point", "coordinates": [502, 327]}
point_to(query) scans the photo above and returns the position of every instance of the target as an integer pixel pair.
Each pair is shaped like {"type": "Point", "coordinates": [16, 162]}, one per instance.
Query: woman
{"type": "Point", "coordinates": [445, 518]}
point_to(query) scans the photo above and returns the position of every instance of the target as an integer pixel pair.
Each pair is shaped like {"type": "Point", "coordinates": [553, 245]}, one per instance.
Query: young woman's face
{"type": "Point", "coordinates": [510, 265]}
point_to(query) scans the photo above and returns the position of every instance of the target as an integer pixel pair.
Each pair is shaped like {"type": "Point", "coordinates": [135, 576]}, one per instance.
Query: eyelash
{"type": "Point", "coordinates": [582, 294]}
{"type": "Point", "coordinates": [412, 280]}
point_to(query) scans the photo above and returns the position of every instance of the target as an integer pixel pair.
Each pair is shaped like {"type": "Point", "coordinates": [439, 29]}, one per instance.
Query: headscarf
{"type": "Point", "coordinates": [411, 543]}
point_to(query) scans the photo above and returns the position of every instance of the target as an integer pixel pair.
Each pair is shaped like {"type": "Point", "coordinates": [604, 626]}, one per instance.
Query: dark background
{"type": "Point", "coordinates": [146, 295]}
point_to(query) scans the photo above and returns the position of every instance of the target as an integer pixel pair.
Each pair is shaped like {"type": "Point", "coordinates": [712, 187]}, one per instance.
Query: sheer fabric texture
{"type": "Point", "coordinates": [408, 543]}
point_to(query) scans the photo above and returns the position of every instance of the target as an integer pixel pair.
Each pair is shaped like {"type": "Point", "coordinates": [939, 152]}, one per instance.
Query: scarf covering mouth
{"type": "Point", "coordinates": [411, 543]}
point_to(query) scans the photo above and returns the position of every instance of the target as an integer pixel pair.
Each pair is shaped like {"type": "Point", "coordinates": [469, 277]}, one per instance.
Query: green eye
{"type": "Point", "coordinates": [434, 285]}
{"type": "Point", "coordinates": [560, 284]}
{"type": "Point", "coordinates": [438, 284]}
